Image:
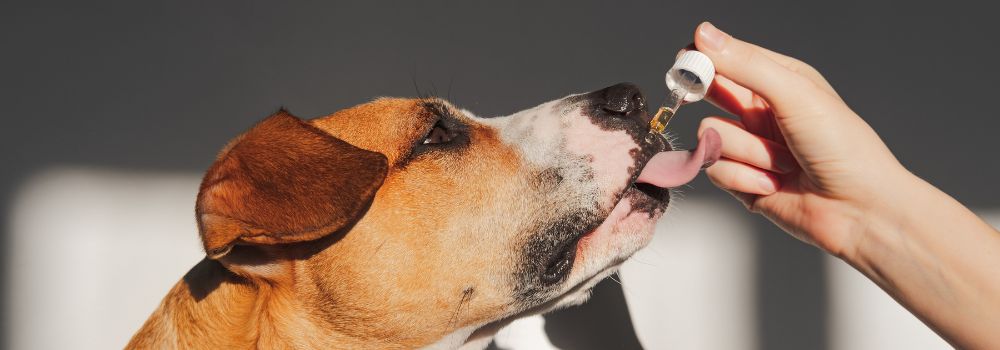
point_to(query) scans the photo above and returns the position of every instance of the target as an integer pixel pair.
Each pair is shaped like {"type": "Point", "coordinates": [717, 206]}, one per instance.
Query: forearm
{"type": "Point", "coordinates": [938, 259]}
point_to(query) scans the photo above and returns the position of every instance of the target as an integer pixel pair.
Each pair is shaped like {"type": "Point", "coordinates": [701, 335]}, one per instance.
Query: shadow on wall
{"type": "Point", "coordinates": [601, 323]}
{"type": "Point", "coordinates": [122, 239]}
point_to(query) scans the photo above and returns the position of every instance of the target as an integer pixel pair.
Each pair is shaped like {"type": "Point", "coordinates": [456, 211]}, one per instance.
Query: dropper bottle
{"type": "Point", "coordinates": [687, 81]}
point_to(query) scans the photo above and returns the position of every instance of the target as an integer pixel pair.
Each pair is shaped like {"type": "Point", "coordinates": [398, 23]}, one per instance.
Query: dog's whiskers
{"type": "Point", "coordinates": [612, 277]}
{"type": "Point", "coordinates": [434, 90]}
{"type": "Point", "coordinates": [450, 81]}
{"type": "Point", "coordinates": [636, 259]}
{"type": "Point", "coordinates": [624, 290]}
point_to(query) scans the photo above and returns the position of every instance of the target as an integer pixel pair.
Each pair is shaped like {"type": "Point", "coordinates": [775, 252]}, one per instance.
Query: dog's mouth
{"type": "Point", "coordinates": [647, 198]}
{"type": "Point", "coordinates": [671, 169]}
{"type": "Point", "coordinates": [648, 192]}
{"type": "Point", "coordinates": [657, 169]}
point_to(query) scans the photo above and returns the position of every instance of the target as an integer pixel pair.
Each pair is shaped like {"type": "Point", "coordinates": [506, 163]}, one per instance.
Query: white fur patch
{"type": "Point", "coordinates": [457, 339]}
{"type": "Point", "coordinates": [608, 153]}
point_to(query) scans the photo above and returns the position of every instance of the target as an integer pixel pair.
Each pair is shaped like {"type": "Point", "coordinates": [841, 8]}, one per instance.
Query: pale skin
{"type": "Point", "coordinates": [802, 158]}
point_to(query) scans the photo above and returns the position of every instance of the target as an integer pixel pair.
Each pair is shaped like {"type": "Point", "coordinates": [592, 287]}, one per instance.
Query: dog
{"type": "Point", "coordinates": [411, 223]}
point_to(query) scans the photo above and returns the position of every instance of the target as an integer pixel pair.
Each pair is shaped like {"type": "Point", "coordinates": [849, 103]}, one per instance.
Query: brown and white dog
{"type": "Point", "coordinates": [408, 223]}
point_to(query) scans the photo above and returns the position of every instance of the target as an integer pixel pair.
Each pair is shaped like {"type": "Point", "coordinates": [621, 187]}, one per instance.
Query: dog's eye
{"type": "Point", "coordinates": [439, 134]}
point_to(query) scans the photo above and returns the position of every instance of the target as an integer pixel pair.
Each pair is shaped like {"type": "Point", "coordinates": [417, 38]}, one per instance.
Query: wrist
{"type": "Point", "coordinates": [880, 220]}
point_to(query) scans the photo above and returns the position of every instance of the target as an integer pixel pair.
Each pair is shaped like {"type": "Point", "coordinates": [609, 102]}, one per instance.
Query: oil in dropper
{"type": "Point", "coordinates": [688, 81]}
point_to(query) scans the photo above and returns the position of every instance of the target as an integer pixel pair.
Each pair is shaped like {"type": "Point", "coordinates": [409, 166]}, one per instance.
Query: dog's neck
{"type": "Point", "coordinates": [213, 308]}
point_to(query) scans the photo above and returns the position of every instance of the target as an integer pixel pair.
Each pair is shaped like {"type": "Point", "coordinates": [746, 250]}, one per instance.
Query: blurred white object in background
{"type": "Point", "coordinates": [862, 316]}
{"type": "Point", "coordinates": [693, 286]}
{"type": "Point", "coordinates": [524, 334]}
{"type": "Point", "coordinates": [92, 253]}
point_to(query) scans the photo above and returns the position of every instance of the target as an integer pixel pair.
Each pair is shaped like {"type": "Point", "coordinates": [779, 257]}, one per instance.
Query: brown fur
{"type": "Point", "coordinates": [292, 265]}
{"type": "Point", "coordinates": [284, 181]}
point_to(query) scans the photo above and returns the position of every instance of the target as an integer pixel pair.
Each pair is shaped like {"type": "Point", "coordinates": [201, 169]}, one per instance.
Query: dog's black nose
{"type": "Point", "coordinates": [622, 100]}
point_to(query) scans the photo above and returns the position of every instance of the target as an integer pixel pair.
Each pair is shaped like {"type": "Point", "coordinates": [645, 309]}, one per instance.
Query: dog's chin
{"type": "Point", "coordinates": [599, 253]}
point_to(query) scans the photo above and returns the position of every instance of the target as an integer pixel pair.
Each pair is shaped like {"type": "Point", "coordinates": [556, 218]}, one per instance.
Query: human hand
{"type": "Point", "coordinates": [798, 154]}
{"type": "Point", "coordinates": [801, 157]}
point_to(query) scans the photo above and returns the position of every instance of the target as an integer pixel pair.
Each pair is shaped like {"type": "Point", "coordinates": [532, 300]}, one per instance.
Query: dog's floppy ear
{"type": "Point", "coordinates": [284, 181]}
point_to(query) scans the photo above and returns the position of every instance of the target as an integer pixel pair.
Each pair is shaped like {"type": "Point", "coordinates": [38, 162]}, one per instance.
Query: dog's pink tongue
{"type": "Point", "coordinates": [675, 168]}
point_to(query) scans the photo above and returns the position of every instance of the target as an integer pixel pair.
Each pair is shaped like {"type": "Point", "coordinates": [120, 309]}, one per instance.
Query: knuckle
{"type": "Point", "coordinates": [808, 68]}
{"type": "Point", "coordinates": [804, 68]}
{"type": "Point", "coordinates": [800, 67]}
{"type": "Point", "coordinates": [796, 66]}
{"type": "Point", "coordinates": [747, 57]}
{"type": "Point", "coordinates": [733, 177]}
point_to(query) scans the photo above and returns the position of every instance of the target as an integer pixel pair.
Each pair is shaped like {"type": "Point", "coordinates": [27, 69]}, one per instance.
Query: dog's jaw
{"type": "Point", "coordinates": [627, 229]}
{"type": "Point", "coordinates": [598, 161]}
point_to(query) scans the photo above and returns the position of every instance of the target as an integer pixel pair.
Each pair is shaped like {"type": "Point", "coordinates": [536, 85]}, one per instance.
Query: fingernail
{"type": "Point", "coordinates": [712, 38]}
{"type": "Point", "coordinates": [766, 184]}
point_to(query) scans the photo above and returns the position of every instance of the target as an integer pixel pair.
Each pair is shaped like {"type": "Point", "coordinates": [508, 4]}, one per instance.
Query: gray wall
{"type": "Point", "coordinates": [163, 85]}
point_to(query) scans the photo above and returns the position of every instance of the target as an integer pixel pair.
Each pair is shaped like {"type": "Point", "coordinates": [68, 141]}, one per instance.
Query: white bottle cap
{"type": "Point", "coordinates": [698, 64]}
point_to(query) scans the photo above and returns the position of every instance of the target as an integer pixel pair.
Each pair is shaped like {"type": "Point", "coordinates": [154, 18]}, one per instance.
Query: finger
{"type": "Point", "coordinates": [729, 96]}
{"type": "Point", "coordinates": [748, 67]}
{"type": "Point", "coordinates": [742, 146]}
{"type": "Point", "coordinates": [795, 65]}
{"type": "Point", "coordinates": [752, 110]}
{"type": "Point", "coordinates": [766, 125]}
{"type": "Point", "coordinates": [729, 174]}
{"type": "Point", "coordinates": [735, 99]}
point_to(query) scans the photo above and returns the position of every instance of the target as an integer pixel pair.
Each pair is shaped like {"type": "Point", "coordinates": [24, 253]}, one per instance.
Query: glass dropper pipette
{"type": "Point", "coordinates": [687, 81]}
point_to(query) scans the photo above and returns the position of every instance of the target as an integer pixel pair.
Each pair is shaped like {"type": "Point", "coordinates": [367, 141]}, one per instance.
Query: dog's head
{"type": "Point", "coordinates": [418, 219]}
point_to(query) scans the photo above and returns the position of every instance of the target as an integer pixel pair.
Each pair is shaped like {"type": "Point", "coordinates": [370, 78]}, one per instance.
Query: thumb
{"type": "Point", "coordinates": [742, 63]}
